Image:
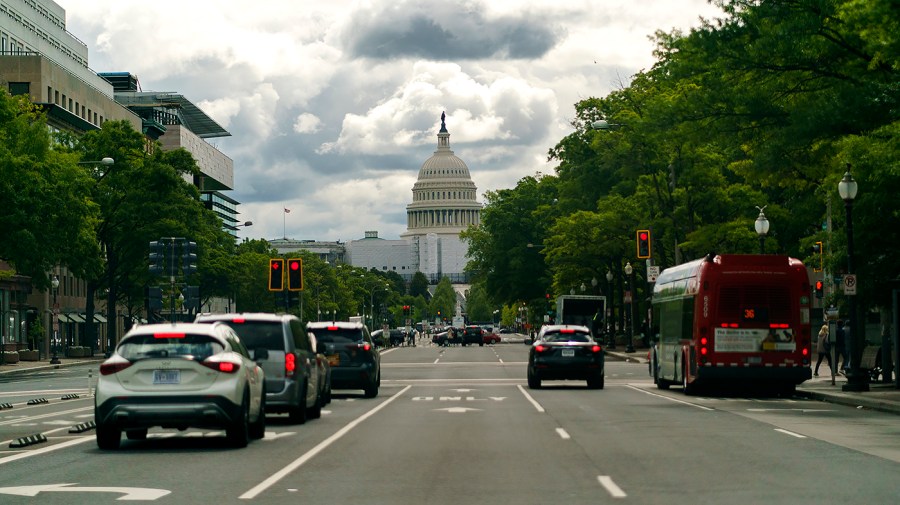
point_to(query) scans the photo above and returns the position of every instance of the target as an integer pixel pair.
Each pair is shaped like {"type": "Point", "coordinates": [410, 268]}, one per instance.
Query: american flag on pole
{"type": "Point", "coordinates": [287, 210]}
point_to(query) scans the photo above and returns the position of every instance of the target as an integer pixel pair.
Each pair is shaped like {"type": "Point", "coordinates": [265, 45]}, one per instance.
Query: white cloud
{"type": "Point", "coordinates": [336, 130]}
{"type": "Point", "coordinates": [307, 123]}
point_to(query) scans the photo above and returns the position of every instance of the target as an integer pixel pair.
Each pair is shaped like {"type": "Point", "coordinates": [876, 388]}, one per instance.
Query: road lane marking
{"type": "Point", "coordinates": [670, 398]}
{"type": "Point", "coordinates": [130, 493]}
{"type": "Point", "coordinates": [563, 434]}
{"type": "Point", "coordinates": [42, 416]}
{"type": "Point", "coordinates": [791, 433]}
{"type": "Point", "coordinates": [611, 487]}
{"type": "Point", "coordinates": [51, 448]}
{"type": "Point", "coordinates": [528, 397]}
{"type": "Point", "coordinates": [297, 463]}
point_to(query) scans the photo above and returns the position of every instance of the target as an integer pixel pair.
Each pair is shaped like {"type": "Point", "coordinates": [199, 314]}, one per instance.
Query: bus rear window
{"type": "Point", "coordinates": [754, 304]}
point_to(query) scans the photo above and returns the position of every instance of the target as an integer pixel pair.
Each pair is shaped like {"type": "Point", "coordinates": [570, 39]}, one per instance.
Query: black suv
{"type": "Point", "coordinates": [294, 383]}
{"type": "Point", "coordinates": [473, 334]}
{"type": "Point", "coordinates": [355, 362]}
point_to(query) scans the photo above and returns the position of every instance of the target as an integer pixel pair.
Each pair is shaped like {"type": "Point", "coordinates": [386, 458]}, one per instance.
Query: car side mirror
{"type": "Point", "coordinates": [260, 354]}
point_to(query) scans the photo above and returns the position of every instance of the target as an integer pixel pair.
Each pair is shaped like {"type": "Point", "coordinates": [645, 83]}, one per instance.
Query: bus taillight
{"type": "Point", "coordinates": [779, 326]}
{"type": "Point", "coordinates": [729, 325]}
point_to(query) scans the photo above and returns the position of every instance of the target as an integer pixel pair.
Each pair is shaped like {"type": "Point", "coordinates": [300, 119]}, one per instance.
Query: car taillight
{"type": "Point", "coordinates": [567, 330]}
{"type": "Point", "coordinates": [169, 334]}
{"type": "Point", "coordinates": [540, 348]}
{"type": "Point", "coordinates": [366, 347]}
{"type": "Point", "coordinates": [222, 366]}
{"type": "Point", "coordinates": [290, 364]}
{"type": "Point", "coordinates": [111, 368]}
{"type": "Point", "coordinates": [596, 348]}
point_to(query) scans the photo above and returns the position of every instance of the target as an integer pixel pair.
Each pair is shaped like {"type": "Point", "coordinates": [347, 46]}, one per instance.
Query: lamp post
{"type": "Point", "coordinates": [372, 304]}
{"type": "Point", "coordinates": [55, 359]}
{"type": "Point", "coordinates": [629, 271]}
{"type": "Point", "coordinates": [856, 380]}
{"type": "Point", "coordinates": [762, 229]}
{"type": "Point", "coordinates": [610, 331]}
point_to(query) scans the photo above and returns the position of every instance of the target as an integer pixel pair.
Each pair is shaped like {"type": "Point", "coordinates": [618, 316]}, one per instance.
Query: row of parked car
{"type": "Point", "coordinates": [228, 371]}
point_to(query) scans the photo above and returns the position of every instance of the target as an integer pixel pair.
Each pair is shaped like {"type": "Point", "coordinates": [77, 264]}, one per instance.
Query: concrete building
{"type": "Point", "coordinates": [40, 59]}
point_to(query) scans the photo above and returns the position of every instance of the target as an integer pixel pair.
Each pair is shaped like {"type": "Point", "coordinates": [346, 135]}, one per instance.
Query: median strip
{"type": "Point", "coordinates": [29, 440]}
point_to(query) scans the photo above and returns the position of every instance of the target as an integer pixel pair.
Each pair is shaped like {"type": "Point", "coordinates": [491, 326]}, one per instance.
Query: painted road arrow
{"type": "Point", "coordinates": [130, 493]}
{"type": "Point", "coordinates": [457, 410]}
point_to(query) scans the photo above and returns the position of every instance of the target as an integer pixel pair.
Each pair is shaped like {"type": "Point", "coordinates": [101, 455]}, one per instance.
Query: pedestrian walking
{"type": "Point", "coordinates": [822, 347]}
{"type": "Point", "coordinates": [840, 347]}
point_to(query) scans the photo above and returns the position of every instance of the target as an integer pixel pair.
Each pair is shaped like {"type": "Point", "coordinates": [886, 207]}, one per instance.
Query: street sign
{"type": "Point", "coordinates": [848, 282]}
{"type": "Point", "coordinates": [652, 273]}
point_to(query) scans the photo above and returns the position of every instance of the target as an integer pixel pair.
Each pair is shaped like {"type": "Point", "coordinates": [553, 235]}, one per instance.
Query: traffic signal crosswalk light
{"type": "Point", "coordinates": [295, 274]}
{"type": "Point", "coordinates": [643, 244]}
{"type": "Point", "coordinates": [276, 274]}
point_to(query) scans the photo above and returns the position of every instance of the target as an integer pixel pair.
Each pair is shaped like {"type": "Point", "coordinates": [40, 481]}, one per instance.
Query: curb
{"type": "Point", "coordinates": [14, 371]}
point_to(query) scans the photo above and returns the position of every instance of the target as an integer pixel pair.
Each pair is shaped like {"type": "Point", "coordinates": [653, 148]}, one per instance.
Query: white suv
{"type": "Point", "coordinates": [176, 376]}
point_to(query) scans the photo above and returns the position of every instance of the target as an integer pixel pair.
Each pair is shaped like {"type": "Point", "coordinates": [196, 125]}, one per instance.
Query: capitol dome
{"type": "Point", "coordinates": [444, 194]}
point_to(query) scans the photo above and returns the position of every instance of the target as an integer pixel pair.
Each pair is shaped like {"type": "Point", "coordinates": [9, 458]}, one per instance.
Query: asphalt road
{"type": "Point", "coordinates": [458, 426]}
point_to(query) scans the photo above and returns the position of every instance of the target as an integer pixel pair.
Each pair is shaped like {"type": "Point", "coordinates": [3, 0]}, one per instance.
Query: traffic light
{"type": "Point", "coordinates": [154, 299]}
{"type": "Point", "coordinates": [158, 258]}
{"type": "Point", "coordinates": [643, 244]}
{"type": "Point", "coordinates": [820, 289]}
{"type": "Point", "coordinates": [188, 258]}
{"type": "Point", "coordinates": [818, 251]}
{"type": "Point", "coordinates": [406, 310]}
{"type": "Point", "coordinates": [276, 274]}
{"type": "Point", "coordinates": [295, 274]}
{"type": "Point", "coordinates": [192, 298]}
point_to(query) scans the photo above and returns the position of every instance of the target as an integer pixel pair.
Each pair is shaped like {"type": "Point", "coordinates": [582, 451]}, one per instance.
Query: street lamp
{"type": "Point", "coordinates": [610, 331]}
{"type": "Point", "coordinates": [245, 223]}
{"type": "Point", "coordinates": [583, 287]}
{"type": "Point", "coordinates": [762, 229]}
{"type": "Point", "coordinates": [856, 380]}
{"type": "Point", "coordinates": [629, 271]}
{"type": "Point", "coordinates": [594, 285]}
{"type": "Point", "coordinates": [55, 359]}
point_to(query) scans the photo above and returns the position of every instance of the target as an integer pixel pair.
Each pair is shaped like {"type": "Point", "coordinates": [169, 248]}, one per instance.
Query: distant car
{"type": "Point", "coordinates": [491, 338]}
{"type": "Point", "coordinates": [450, 336]}
{"type": "Point", "coordinates": [295, 380]}
{"type": "Point", "coordinates": [179, 376]}
{"type": "Point", "coordinates": [473, 334]}
{"type": "Point", "coordinates": [565, 352]}
{"type": "Point", "coordinates": [355, 362]}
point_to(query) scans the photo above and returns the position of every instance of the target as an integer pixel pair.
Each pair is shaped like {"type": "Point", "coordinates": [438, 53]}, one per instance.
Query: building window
{"type": "Point", "coordinates": [56, 97]}
{"type": "Point", "coordinates": [19, 88]}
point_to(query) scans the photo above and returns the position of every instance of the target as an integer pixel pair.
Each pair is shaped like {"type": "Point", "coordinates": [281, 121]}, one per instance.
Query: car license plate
{"type": "Point", "coordinates": [167, 376]}
{"type": "Point", "coordinates": [568, 353]}
{"type": "Point", "coordinates": [334, 359]}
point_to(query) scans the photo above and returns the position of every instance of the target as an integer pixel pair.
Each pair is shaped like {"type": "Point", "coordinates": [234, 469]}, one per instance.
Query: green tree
{"type": "Point", "coordinates": [418, 286]}
{"type": "Point", "coordinates": [45, 219]}
{"type": "Point", "coordinates": [444, 299]}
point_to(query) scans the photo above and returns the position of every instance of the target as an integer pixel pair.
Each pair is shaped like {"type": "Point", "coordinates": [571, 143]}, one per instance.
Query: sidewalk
{"type": "Point", "coordinates": [883, 397]}
{"type": "Point", "coordinates": [30, 366]}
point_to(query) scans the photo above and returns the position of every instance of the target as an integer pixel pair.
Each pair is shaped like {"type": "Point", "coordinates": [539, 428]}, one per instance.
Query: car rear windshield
{"type": "Point", "coordinates": [338, 335]}
{"type": "Point", "coordinates": [567, 337]}
{"type": "Point", "coordinates": [167, 345]}
{"type": "Point", "coordinates": [256, 334]}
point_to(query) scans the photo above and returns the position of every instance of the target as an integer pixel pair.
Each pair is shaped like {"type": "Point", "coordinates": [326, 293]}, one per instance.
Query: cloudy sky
{"type": "Point", "coordinates": [334, 105]}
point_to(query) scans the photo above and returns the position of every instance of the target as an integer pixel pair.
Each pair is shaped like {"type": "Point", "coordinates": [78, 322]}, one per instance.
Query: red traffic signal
{"type": "Point", "coordinates": [820, 289]}
{"type": "Point", "coordinates": [643, 244]}
{"type": "Point", "coordinates": [276, 274]}
{"type": "Point", "coordinates": [295, 274]}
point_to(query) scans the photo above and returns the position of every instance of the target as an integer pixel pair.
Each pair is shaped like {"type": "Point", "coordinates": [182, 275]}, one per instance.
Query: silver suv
{"type": "Point", "coordinates": [294, 382]}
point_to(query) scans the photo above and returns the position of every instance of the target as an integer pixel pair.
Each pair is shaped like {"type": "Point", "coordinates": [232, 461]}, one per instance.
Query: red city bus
{"type": "Point", "coordinates": [732, 318]}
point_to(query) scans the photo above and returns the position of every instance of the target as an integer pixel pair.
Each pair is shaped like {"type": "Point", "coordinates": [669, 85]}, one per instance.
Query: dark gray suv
{"type": "Point", "coordinates": [293, 379]}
